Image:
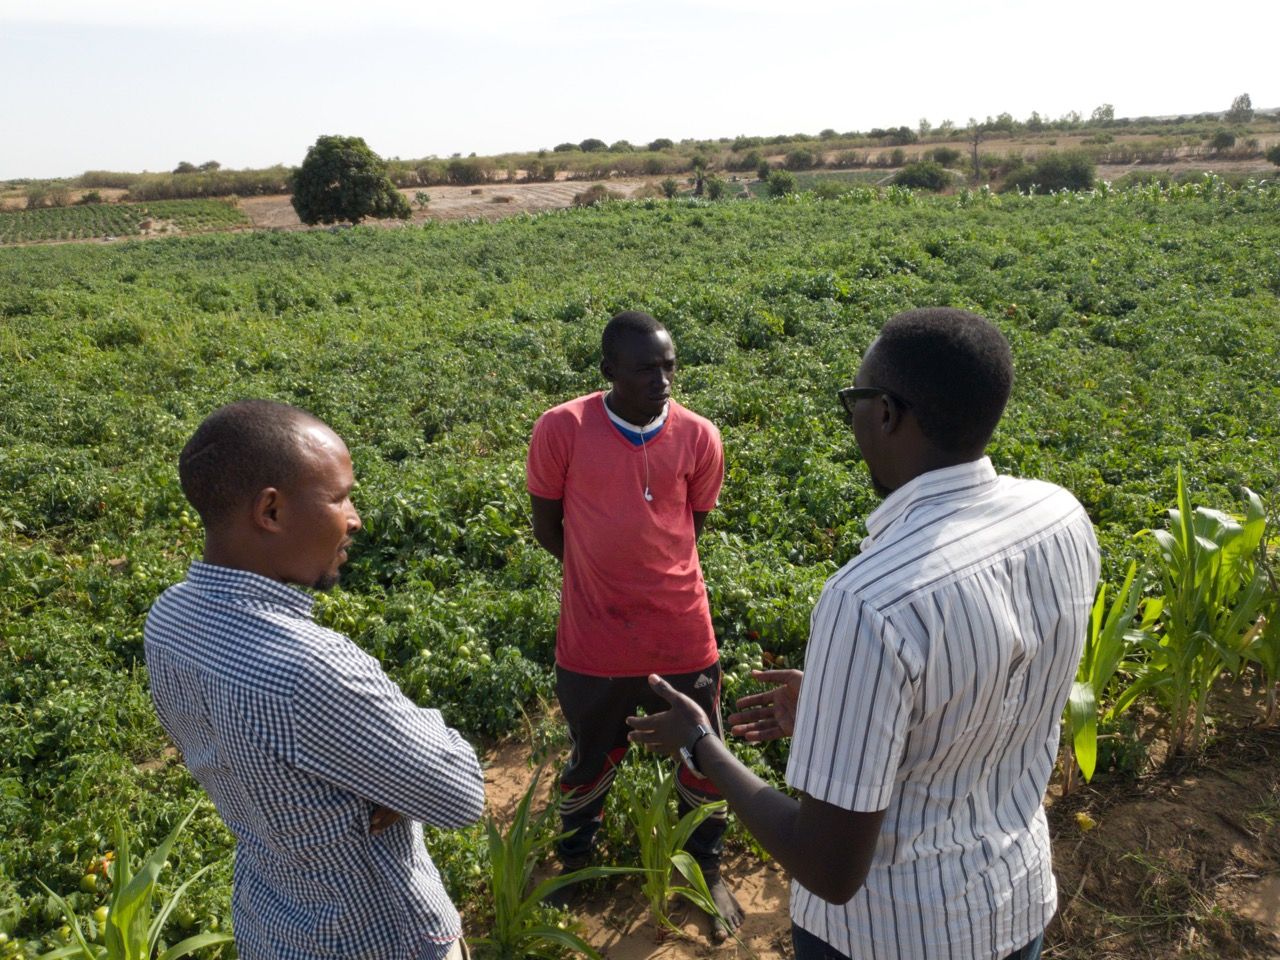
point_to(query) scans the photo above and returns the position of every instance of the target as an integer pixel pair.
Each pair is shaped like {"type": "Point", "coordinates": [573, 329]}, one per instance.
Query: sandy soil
{"type": "Point", "coordinates": [1183, 864]}
{"type": "Point", "coordinates": [488, 202]}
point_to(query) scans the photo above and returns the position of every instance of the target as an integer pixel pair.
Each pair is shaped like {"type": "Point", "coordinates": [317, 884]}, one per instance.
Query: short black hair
{"type": "Point", "coordinates": [623, 325]}
{"type": "Point", "coordinates": [239, 450]}
{"type": "Point", "coordinates": [953, 367]}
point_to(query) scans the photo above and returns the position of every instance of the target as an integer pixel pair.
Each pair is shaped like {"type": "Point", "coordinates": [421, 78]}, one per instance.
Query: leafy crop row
{"type": "Point", "coordinates": [114, 220]}
{"type": "Point", "coordinates": [1142, 323]}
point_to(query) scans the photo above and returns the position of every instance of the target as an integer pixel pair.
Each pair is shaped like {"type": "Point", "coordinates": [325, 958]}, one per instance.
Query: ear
{"type": "Point", "coordinates": [267, 508]}
{"type": "Point", "coordinates": [891, 415]}
{"type": "Point", "coordinates": [606, 369]}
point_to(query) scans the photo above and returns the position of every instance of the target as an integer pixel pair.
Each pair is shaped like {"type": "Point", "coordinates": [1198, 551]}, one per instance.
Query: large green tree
{"type": "Point", "coordinates": [342, 179]}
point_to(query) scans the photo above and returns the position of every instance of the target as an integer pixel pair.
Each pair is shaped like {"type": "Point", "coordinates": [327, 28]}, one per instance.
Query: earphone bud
{"type": "Point", "coordinates": [647, 495]}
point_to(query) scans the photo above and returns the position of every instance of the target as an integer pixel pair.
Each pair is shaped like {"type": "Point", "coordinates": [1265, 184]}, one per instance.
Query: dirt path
{"type": "Point", "coordinates": [1168, 866]}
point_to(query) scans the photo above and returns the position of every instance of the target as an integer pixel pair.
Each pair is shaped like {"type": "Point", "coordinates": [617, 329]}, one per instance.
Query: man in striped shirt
{"type": "Point", "coordinates": [926, 722]}
{"type": "Point", "coordinates": [316, 761]}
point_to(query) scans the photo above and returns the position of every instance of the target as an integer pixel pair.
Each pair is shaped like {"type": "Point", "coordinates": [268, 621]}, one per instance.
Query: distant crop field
{"type": "Point", "coordinates": [96, 220]}
{"type": "Point", "coordinates": [1143, 327]}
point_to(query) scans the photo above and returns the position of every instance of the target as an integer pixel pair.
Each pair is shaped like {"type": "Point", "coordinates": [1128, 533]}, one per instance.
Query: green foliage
{"type": "Point", "coordinates": [662, 143]}
{"type": "Point", "coordinates": [923, 175]}
{"type": "Point", "coordinates": [801, 160]}
{"type": "Point", "coordinates": [1112, 635]}
{"type": "Point", "coordinates": [595, 195]}
{"type": "Point", "coordinates": [1273, 154]}
{"type": "Point", "coordinates": [1241, 110]}
{"type": "Point", "coordinates": [469, 171]}
{"type": "Point", "coordinates": [944, 156]}
{"type": "Point", "coordinates": [592, 145]}
{"type": "Point", "coordinates": [342, 179]}
{"type": "Point", "coordinates": [1053, 172]}
{"type": "Point", "coordinates": [1222, 140]}
{"type": "Point", "coordinates": [661, 839]}
{"type": "Point", "coordinates": [1142, 321]}
{"type": "Point", "coordinates": [781, 182]}
{"type": "Point", "coordinates": [129, 930]}
{"type": "Point", "coordinates": [715, 188]}
{"type": "Point", "coordinates": [1213, 593]}
{"type": "Point", "coordinates": [88, 221]}
{"type": "Point", "coordinates": [670, 188]}
{"type": "Point", "coordinates": [521, 925]}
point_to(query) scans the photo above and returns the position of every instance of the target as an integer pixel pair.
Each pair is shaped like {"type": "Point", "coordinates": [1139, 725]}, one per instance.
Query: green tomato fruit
{"type": "Point", "coordinates": [100, 915]}
{"type": "Point", "coordinates": [89, 882]}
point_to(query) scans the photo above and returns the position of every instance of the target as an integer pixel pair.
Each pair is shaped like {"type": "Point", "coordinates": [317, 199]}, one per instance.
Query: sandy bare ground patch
{"type": "Point", "coordinates": [451, 203]}
{"type": "Point", "coordinates": [1177, 865]}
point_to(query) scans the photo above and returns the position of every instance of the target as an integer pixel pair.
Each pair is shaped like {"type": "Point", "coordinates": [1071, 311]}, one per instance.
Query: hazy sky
{"type": "Point", "coordinates": [144, 84]}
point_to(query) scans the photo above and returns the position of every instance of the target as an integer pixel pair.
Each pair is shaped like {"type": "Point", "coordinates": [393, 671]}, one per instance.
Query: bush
{"type": "Point", "coordinates": [565, 147]}
{"type": "Point", "coordinates": [747, 161]}
{"type": "Point", "coordinates": [185, 167]}
{"type": "Point", "coordinates": [781, 182]}
{"type": "Point", "coordinates": [93, 196]}
{"type": "Point", "coordinates": [621, 146]}
{"type": "Point", "coordinates": [764, 170]}
{"type": "Point", "coordinates": [1054, 171]}
{"type": "Point", "coordinates": [654, 166]}
{"type": "Point", "coordinates": [801, 160]}
{"type": "Point", "coordinates": [944, 156]}
{"type": "Point", "coordinates": [715, 188]}
{"type": "Point", "coordinates": [592, 145]}
{"type": "Point", "coordinates": [829, 189]}
{"type": "Point", "coordinates": [923, 175]}
{"type": "Point", "coordinates": [470, 171]}
{"type": "Point", "coordinates": [342, 179]}
{"type": "Point", "coordinates": [1222, 140]}
{"type": "Point", "coordinates": [662, 143]}
{"type": "Point", "coordinates": [544, 172]}
{"type": "Point", "coordinates": [1273, 155]}
{"type": "Point", "coordinates": [847, 159]}
{"type": "Point", "coordinates": [670, 188]}
{"type": "Point", "coordinates": [594, 195]}
{"type": "Point", "coordinates": [648, 191]}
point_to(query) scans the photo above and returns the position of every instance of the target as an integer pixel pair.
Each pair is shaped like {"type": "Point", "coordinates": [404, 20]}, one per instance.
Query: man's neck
{"type": "Point", "coordinates": [636, 419]}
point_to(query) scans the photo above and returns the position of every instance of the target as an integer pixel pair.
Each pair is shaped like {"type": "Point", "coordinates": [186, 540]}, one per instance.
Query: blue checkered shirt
{"type": "Point", "coordinates": [298, 735]}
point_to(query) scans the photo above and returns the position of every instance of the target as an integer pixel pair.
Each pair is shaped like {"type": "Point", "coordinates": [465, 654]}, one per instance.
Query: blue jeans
{"type": "Point", "coordinates": [809, 947]}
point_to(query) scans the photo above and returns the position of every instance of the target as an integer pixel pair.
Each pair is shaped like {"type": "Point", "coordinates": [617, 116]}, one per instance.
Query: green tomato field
{"type": "Point", "coordinates": [1145, 327]}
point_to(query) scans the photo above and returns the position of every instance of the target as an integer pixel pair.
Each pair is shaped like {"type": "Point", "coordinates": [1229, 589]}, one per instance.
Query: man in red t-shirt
{"type": "Point", "coordinates": [621, 483]}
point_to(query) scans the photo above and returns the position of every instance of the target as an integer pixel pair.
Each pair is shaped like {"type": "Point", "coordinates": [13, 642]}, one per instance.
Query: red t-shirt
{"type": "Point", "coordinates": [633, 600]}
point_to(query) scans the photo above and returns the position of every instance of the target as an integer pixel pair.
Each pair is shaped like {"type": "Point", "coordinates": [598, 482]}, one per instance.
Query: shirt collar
{"type": "Point", "coordinates": [932, 485]}
{"type": "Point", "coordinates": [228, 580]}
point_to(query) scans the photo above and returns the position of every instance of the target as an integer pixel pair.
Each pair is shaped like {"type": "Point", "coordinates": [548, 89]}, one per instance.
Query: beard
{"type": "Point", "coordinates": [327, 582]}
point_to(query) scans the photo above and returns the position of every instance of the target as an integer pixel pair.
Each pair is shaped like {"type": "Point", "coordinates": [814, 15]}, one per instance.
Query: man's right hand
{"type": "Point", "coordinates": [770, 715]}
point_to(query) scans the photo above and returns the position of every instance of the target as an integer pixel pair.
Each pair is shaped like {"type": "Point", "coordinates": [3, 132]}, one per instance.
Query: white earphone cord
{"type": "Point", "coordinates": [644, 451]}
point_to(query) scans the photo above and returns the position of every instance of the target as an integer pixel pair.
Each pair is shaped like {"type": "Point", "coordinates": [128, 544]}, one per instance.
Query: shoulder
{"type": "Point", "coordinates": [1043, 501]}
{"type": "Point", "coordinates": [568, 415]}
{"type": "Point", "coordinates": [695, 424]}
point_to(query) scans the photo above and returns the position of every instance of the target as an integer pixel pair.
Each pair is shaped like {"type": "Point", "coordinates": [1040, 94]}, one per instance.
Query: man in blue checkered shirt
{"type": "Point", "coordinates": [316, 761]}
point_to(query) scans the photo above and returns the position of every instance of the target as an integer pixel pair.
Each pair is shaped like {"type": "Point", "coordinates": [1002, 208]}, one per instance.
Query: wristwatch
{"type": "Point", "coordinates": [686, 752]}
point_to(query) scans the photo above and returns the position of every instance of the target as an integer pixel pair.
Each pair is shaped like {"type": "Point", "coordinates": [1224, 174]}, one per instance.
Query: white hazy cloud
{"type": "Point", "coordinates": [134, 84]}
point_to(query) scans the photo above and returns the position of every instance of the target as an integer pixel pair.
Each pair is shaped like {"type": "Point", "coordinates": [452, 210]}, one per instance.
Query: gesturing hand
{"type": "Point", "coordinates": [381, 818]}
{"type": "Point", "coordinates": [668, 731]}
{"type": "Point", "coordinates": [770, 715]}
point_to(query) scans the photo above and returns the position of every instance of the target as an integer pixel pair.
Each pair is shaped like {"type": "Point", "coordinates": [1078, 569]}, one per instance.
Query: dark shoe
{"type": "Point", "coordinates": [565, 898]}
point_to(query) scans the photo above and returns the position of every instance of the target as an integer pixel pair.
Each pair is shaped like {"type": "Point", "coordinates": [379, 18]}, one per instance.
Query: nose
{"type": "Point", "coordinates": [354, 522]}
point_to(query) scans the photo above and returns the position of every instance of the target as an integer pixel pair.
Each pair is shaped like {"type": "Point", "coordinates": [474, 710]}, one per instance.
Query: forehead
{"type": "Point", "coordinates": [869, 366]}
{"type": "Point", "coordinates": [645, 347]}
{"type": "Point", "coordinates": [326, 457]}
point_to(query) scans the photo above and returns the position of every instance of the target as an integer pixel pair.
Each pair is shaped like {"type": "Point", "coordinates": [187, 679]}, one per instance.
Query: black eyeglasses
{"type": "Point", "coordinates": [851, 395]}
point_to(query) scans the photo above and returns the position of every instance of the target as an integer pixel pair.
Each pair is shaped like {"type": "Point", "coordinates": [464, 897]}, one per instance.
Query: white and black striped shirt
{"type": "Point", "coordinates": [939, 661]}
